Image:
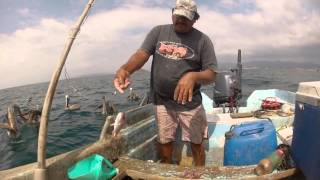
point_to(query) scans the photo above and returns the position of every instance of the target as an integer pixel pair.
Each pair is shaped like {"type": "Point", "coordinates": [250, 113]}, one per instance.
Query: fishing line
{"type": "Point", "coordinates": [66, 74]}
{"type": "Point", "coordinates": [69, 84]}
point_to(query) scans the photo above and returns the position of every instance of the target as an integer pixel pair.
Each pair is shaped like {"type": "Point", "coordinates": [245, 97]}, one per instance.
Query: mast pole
{"type": "Point", "coordinates": [41, 172]}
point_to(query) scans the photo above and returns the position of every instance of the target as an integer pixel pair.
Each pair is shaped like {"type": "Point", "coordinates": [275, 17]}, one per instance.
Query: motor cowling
{"type": "Point", "coordinates": [225, 88]}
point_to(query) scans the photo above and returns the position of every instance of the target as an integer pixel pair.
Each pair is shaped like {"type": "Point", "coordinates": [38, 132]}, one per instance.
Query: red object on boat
{"type": "Point", "coordinates": [270, 103]}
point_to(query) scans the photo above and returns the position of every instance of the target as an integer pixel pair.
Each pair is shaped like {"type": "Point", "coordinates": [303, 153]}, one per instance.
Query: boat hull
{"type": "Point", "coordinates": [134, 153]}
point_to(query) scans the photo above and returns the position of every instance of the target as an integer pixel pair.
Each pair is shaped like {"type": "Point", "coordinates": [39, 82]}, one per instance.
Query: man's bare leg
{"type": "Point", "coordinates": [198, 154]}
{"type": "Point", "coordinates": [165, 151]}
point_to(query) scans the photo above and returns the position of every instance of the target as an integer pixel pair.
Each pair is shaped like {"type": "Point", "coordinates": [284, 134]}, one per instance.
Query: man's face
{"type": "Point", "coordinates": [182, 24]}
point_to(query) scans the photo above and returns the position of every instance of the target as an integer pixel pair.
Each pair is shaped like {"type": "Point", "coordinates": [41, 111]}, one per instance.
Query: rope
{"type": "Point", "coordinates": [67, 78]}
{"type": "Point", "coordinates": [261, 113]}
{"type": "Point", "coordinates": [72, 35]}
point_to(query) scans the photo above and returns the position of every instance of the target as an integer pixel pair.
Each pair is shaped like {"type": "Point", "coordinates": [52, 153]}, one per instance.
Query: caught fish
{"type": "Point", "coordinates": [118, 123]}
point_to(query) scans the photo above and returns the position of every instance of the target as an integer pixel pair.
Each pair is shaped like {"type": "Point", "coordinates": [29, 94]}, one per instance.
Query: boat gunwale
{"type": "Point", "coordinates": [83, 152]}
{"type": "Point", "coordinates": [136, 168]}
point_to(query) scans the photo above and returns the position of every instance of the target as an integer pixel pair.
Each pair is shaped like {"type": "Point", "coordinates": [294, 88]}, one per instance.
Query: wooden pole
{"type": "Point", "coordinates": [41, 172]}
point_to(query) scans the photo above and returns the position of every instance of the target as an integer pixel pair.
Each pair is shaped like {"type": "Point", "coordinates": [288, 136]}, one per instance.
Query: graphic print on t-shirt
{"type": "Point", "coordinates": [174, 51]}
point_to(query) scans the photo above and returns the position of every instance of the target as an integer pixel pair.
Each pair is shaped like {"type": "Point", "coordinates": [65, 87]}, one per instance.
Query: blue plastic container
{"type": "Point", "coordinates": [247, 144]}
{"type": "Point", "coordinates": [306, 132]}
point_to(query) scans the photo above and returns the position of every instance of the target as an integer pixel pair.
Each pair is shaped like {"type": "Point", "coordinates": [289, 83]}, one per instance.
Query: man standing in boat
{"type": "Point", "coordinates": [183, 59]}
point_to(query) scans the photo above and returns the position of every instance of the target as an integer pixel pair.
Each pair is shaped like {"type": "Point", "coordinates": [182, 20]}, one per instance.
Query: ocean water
{"type": "Point", "coordinates": [70, 130]}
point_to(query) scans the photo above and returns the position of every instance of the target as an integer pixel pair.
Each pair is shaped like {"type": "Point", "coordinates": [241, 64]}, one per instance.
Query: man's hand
{"type": "Point", "coordinates": [135, 62]}
{"type": "Point", "coordinates": [121, 80]}
{"type": "Point", "coordinates": [184, 88]}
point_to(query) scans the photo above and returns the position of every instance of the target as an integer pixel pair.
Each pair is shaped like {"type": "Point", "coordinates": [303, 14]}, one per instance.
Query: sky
{"type": "Point", "coordinates": [33, 33]}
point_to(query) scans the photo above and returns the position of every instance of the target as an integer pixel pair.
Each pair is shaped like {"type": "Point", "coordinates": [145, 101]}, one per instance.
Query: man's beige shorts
{"type": "Point", "coordinates": [193, 124]}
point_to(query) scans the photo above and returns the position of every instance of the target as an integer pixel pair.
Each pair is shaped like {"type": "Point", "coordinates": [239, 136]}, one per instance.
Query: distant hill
{"type": "Point", "coordinates": [283, 64]}
{"type": "Point", "coordinates": [271, 64]}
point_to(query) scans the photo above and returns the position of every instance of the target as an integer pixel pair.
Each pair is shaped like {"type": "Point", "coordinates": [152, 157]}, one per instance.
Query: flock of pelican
{"type": "Point", "coordinates": [33, 115]}
{"type": "Point", "coordinates": [29, 117]}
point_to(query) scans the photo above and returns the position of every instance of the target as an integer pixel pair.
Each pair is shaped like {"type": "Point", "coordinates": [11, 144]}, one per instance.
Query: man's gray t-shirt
{"type": "Point", "coordinates": [175, 54]}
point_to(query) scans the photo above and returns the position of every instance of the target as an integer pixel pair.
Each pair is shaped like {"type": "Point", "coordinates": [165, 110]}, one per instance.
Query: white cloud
{"type": "Point", "coordinates": [24, 12]}
{"type": "Point", "coordinates": [313, 4]}
{"type": "Point", "coordinates": [104, 43]}
{"type": "Point", "coordinates": [29, 54]}
{"type": "Point", "coordinates": [229, 3]}
{"type": "Point", "coordinates": [275, 24]}
{"type": "Point", "coordinates": [108, 38]}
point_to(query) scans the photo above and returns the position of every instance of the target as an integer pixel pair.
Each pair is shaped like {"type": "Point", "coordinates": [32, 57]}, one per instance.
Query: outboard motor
{"type": "Point", "coordinates": [227, 88]}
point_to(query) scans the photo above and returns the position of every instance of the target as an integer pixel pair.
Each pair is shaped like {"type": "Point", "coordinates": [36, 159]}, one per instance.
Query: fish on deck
{"type": "Point", "coordinates": [118, 123]}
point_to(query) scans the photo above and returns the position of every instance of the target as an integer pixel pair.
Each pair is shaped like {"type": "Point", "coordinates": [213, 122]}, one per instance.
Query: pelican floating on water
{"type": "Point", "coordinates": [11, 126]}
{"type": "Point", "coordinates": [70, 107]}
{"type": "Point", "coordinates": [108, 108]}
{"type": "Point", "coordinates": [133, 96]}
{"type": "Point", "coordinates": [14, 111]}
{"type": "Point", "coordinates": [145, 100]}
{"type": "Point", "coordinates": [32, 116]}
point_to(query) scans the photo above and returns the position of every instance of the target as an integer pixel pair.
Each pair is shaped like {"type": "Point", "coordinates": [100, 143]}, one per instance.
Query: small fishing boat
{"type": "Point", "coordinates": [134, 152]}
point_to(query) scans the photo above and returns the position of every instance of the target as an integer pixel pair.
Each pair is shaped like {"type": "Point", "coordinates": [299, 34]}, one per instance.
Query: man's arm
{"type": "Point", "coordinates": [184, 88]}
{"type": "Point", "coordinates": [135, 62]}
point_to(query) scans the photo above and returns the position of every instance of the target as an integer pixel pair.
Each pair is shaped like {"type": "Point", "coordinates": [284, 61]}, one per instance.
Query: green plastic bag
{"type": "Point", "coordinates": [95, 167]}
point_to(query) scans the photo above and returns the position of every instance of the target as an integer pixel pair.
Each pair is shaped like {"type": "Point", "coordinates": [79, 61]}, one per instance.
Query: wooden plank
{"type": "Point", "coordinates": [241, 115]}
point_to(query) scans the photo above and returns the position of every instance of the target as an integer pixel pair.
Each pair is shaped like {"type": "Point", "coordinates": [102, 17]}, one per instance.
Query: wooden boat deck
{"type": "Point", "coordinates": [138, 169]}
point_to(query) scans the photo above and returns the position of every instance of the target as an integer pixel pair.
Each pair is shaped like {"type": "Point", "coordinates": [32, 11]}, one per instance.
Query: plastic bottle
{"type": "Point", "coordinates": [270, 163]}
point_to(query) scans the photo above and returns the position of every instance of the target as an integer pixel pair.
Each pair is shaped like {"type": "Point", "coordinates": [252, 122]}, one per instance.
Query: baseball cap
{"type": "Point", "coordinates": [186, 8]}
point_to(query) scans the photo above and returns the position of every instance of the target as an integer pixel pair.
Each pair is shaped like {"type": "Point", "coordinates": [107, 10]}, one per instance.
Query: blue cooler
{"type": "Point", "coordinates": [306, 130]}
{"type": "Point", "coordinates": [247, 144]}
